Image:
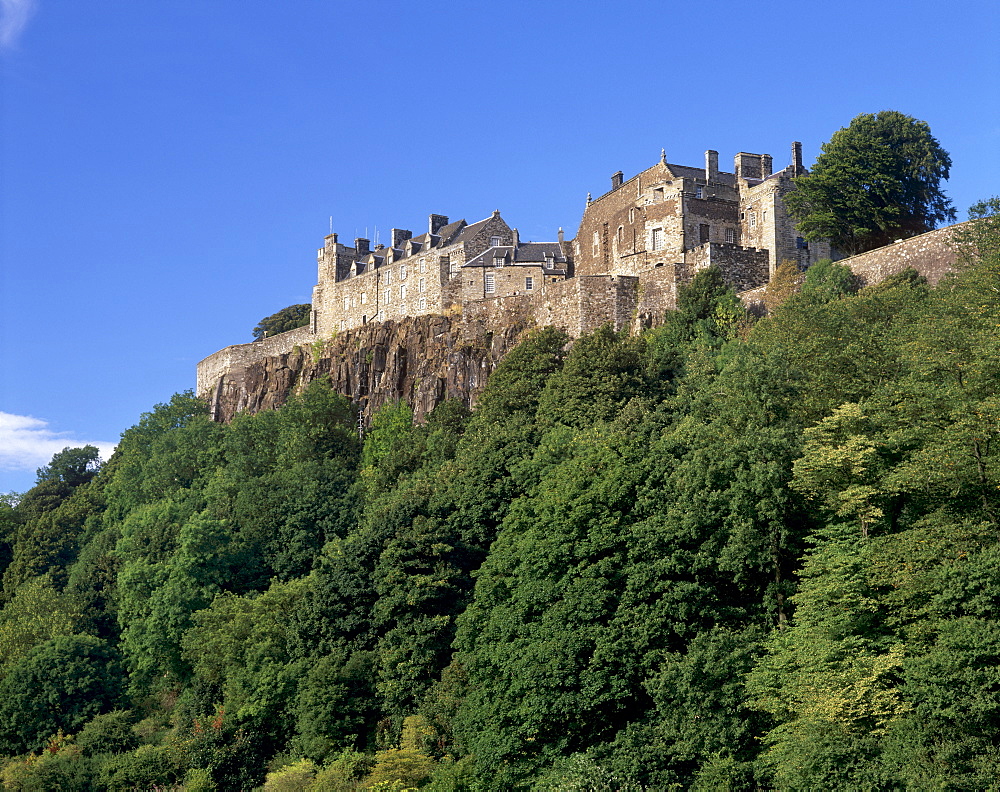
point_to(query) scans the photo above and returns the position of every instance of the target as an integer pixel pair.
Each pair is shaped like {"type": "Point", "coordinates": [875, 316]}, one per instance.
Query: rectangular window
{"type": "Point", "coordinates": [388, 277]}
{"type": "Point", "coordinates": [343, 324]}
{"type": "Point", "coordinates": [699, 192]}
{"type": "Point", "coordinates": [423, 265]}
{"type": "Point", "coordinates": [657, 241]}
{"type": "Point", "coordinates": [529, 283]}
{"type": "Point", "coordinates": [347, 303]}
{"type": "Point", "coordinates": [752, 219]}
{"type": "Point", "coordinates": [423, 303]}
{"type": "Point", "coordinates": [496, 241]}
{"type": "Point", "coordinates": [387, 297]}
{"type": "Point", "coordinates": [491, 283]}
{"type": "Point", "coordinates": [421, 286]}
{"type": "Point", "coordinates": [703, 233]}
{"type": "Point", "coordinates": [402, 272]}
{"type": "Point", "coordinates": [402, 293]}
{"type": "Point", "coordinates": [364, 298]}
{"type": "Point", "coordinates": [731, 236]}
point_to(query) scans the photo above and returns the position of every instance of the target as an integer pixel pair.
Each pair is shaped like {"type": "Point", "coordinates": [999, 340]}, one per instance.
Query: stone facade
{"type": "Point", "coordinates": [414, 276]}
{"type": "Point", "coordinates": [673, 220]}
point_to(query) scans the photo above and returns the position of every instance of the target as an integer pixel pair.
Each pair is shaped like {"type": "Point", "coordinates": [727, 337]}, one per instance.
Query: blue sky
{"type": "Point", "coordinates": [169, 168]}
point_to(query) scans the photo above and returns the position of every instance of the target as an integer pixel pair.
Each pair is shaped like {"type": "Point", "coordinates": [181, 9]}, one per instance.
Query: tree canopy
{"type": "Point", "coordinates": [716, 554]}
{"type": "Point", "coordinates": [281, 322]}
{"type": "Point", "coordinates": [875, 181]}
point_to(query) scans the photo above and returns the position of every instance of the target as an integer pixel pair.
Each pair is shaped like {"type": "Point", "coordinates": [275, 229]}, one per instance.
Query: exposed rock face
{"type": "Point", "coordinates": [421, 360]}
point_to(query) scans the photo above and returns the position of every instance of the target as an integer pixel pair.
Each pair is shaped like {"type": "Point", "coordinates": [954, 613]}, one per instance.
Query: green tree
{"type": "Point", "coordinates": [284, 320]}
{"type": "Point", "coordinates": [875, 181]}
{"type": "Point", "coordinates": [73, 466]}
{"type": "Point", "coordinates": [60, 684]}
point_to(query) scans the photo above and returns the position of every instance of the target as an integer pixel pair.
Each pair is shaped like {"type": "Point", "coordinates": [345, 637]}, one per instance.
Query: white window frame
{"type": "Point", "coordinates": [731, 236]}
{"type": "Point", "coordinates": [364, 298]}
{"type": "Point", "coordinates": [496, 240]}
{"type": "Point", "coordinates": [490, 283]}
{"type": "Point", "coordinates": [422, 285]}
{"type": "Point", "coordinates": [529, 283]}
{"type": "Point", "coordinates": [402, 272]}
{"type": "Point", "coordinates": [423, 265]}
{"type": "Point", "coordinates": [387, 297]}
{"type": "Point", "coordinates": [422, 304]}
{"type": "Point", "coordinates": [656, 239]}
{"type": "Point", "coordinates": [402, 294]}
{"type": "Point", "coordinates": [347, 303]}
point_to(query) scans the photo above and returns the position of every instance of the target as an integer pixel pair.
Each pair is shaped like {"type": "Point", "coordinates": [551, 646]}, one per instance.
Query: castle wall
{"type": "Point", "coordinates": [579, 305]}
{"type": "Point", "coordinates": [742, 268]}
{"type": "Point", "coordinates": [931, 254]}
{"type": "Point", "coordinates": [211, 370]}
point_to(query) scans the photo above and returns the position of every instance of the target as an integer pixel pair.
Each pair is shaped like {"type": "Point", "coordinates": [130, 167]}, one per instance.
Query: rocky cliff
{"type": "Point", "coordinates": [421, 360]}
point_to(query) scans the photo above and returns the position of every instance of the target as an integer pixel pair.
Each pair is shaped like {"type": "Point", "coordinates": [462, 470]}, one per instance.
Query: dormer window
{"type": "Point", "coordinates": [496, 241]}
{"type": "Point", "coordinates": [549, 262]}
{"type": "Point", "coordinates": [499, 260]}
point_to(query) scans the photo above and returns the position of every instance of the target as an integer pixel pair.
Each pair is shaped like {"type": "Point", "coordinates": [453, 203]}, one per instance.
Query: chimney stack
{"type": "Point", "coordinates": [616, 180]}
{"type": "Point", "coordinates": [435, 223]}
{"type": "Point", "coordinates": [361, 245]}
{"type": "Point", "coordinates": [560, 235]}
{"type": "Point", "coordinates": [766, 165]}
{"type": "Point", "coordinates": [711, 165]}
{"type": "Point", "coordinates": [796, 158]}
{"type": "Point", "coordinates": [399, 236]}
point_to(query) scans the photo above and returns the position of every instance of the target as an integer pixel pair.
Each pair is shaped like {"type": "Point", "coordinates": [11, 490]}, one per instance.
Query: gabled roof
{"type": "Point", "coordinates": [447, 232]}
{"type": "Point", "coordinates": [471, 230]}
{"type": "Point", "coordinates": [485, 259]}
{"type": "Point", "coordinates": [537, 252]}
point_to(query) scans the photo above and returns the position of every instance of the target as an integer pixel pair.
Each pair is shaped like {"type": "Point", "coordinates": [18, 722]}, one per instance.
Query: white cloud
{"type": "Point", "coordinates": [27, 443]}
{"type": "Point", "coordinates": [14, 17]}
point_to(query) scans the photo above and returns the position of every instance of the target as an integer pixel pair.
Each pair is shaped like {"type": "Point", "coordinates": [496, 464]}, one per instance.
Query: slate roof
{"type": "Point", "coordinates": [530, 254]}
{"type": "Point", "coordinates": [471, 230]}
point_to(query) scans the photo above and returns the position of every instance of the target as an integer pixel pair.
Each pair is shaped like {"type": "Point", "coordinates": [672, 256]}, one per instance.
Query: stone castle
{"type": "Point", "coordinates": [635, 246]}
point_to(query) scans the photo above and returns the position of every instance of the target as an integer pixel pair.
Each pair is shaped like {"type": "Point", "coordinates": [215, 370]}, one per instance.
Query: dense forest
{"type": "Point", "coordinates": [727, 553]}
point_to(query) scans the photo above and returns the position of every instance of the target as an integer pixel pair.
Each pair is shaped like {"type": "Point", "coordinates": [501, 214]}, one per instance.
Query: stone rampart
{"type": "Point", "coordinates": [233, 358]}
{"type": "Point", "coordinates": [931, 254]}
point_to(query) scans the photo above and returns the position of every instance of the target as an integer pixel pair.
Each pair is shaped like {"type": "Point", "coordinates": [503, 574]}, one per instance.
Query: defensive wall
{"type": "Point", "coordinates": [214, 368]}
{"type": "Point", "coordinates": [931, 254]}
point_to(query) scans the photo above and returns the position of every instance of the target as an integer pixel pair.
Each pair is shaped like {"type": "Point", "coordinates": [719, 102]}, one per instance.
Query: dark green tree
{"type": "Point", "coordinates": [284, 320]}
{"type": "Point", "coordinates": [74, 466]}
{"type": "Point", "coordinates": [875, 181]}
{"type": "Point", "coordinates": [60, 684]}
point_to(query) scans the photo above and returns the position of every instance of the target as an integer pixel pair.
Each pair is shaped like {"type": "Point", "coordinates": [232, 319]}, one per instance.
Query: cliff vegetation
{"type": "Point", "coordinates": [719, 555]}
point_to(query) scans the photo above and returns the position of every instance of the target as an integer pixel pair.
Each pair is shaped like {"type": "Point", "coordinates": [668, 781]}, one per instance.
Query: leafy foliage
{"type": "Point", "coordinates": [284, 320]}
{"type": "Point", "coordinates": [713, 556]}
{"type": "Point", "coordinates": [877, 180]}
